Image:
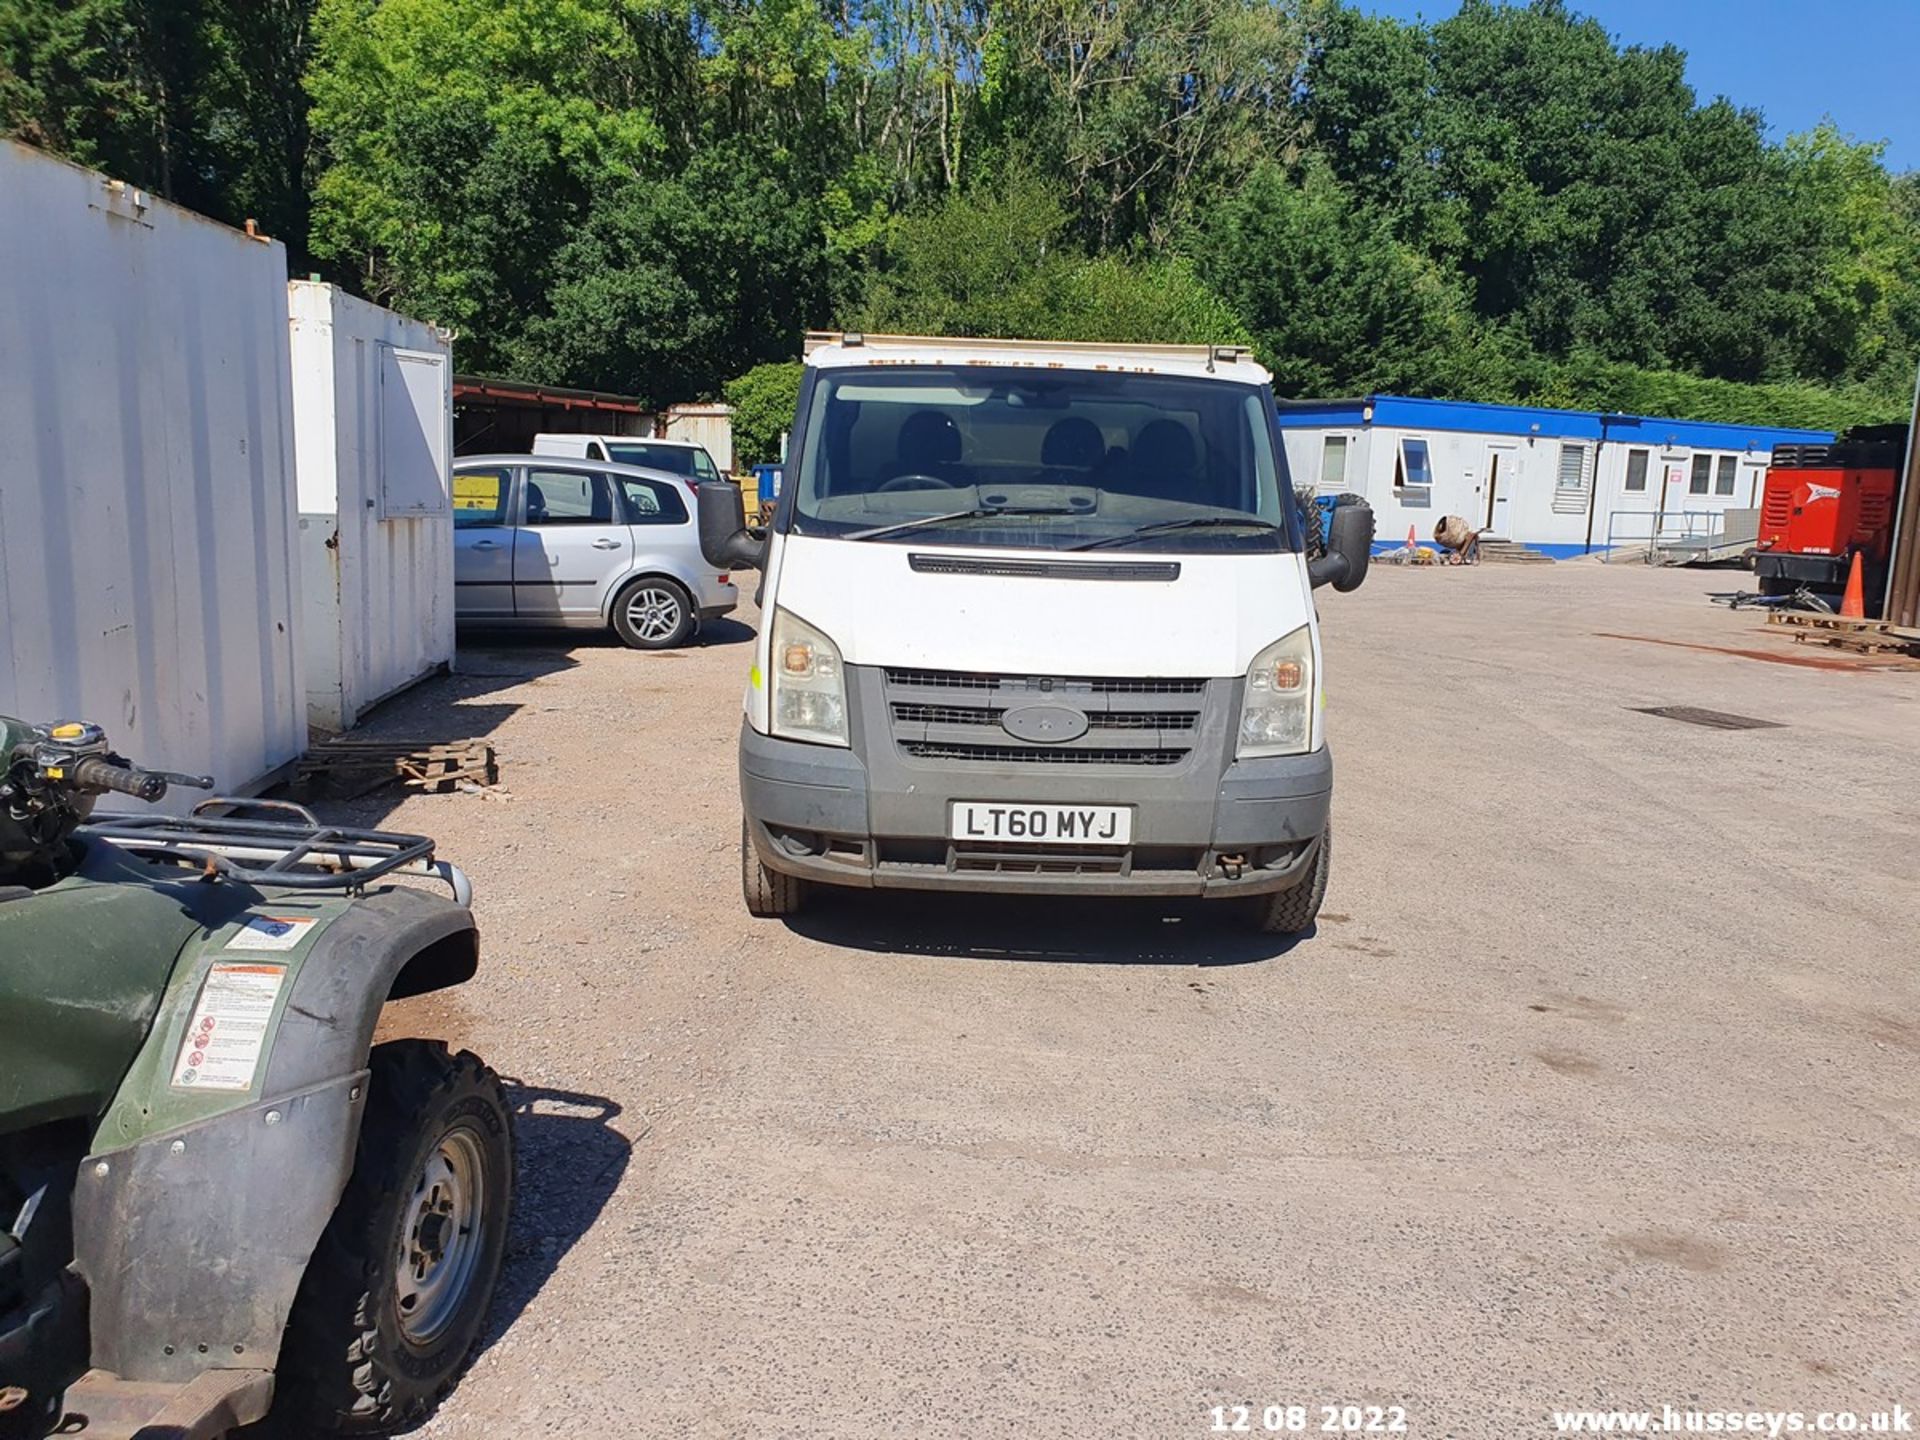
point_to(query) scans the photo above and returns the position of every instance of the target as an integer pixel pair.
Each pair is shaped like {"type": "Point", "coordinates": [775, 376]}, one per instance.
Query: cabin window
{"type": "Point", "coordinates": [1702, 476]}
{"type": "Point", "coordinates": [1571, 480]}
{"type": "Point", "coordinates": [1333, 465]}
{"type": "Point", "coordinates": [1724, 477]}
{"type": "Point", "coordinates": [1413, 473]}
{"type": "Point", "coordinates": [1636, 472]}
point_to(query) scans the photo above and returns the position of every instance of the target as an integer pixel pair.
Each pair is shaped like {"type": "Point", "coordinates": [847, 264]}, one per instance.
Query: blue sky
{"type": "Point", "coordinates": [1793, 60]}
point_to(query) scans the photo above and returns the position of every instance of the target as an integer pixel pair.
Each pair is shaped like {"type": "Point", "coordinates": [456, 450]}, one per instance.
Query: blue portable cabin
{"type": "Point", "coordinates": [1564, 482]}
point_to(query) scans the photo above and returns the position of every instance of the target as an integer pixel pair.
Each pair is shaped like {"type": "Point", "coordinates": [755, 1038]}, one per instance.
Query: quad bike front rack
{"type": "Point", "coordinates": [280, 844]}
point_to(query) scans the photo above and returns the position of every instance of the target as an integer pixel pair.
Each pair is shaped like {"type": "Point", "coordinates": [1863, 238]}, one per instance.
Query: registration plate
{"type": "Point", "coordinates": [1041, 824]}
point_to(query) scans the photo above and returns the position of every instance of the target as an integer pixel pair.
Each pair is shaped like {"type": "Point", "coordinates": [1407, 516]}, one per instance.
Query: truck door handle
{"type": "Point", "coordinates": [605, 544]}
{"type": "Point", "coordinates": [486, 545]}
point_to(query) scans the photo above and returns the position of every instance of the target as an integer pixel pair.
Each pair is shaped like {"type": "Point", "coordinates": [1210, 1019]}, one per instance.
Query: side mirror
{"type": "Point", "coordinates": [1349, 547]}
{"type": "Point", "coordinates": [725, 540]}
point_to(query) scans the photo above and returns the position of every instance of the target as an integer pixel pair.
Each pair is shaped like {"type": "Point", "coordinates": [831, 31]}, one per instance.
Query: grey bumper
{"type": "Point", "coordinates": [829, 814]}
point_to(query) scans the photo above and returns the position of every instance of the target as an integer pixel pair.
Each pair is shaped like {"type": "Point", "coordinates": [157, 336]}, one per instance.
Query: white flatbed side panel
{"type": "Point", "coordinates": [147, 571]}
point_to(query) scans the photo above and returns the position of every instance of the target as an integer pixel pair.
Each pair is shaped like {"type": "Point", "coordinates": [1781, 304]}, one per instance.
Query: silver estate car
{"type": "Point", "coordinates": [544, 540]}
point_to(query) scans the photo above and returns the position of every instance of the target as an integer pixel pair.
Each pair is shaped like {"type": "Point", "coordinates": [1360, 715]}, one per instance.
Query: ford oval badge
{"type": "Point", "coordinates": [1044, 724]}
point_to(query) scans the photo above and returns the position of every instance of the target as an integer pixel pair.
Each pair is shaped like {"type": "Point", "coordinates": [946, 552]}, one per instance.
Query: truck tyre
{"type": "Point", "coordinates": [769, 894]}
{"type": "Point", "coordinates": [654, 613]}
{"type": "Point", "coordinates": [398, 1287]}
{"type": "Point", "coordinates": [1292, 911]}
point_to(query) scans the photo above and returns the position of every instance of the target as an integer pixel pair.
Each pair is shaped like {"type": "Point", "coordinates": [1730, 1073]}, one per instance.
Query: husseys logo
{"type": "Point", "coordinates": [1820, 492]}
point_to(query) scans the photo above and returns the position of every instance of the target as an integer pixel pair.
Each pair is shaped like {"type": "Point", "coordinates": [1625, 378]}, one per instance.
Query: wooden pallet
{"type": "Point", "coordinates": [350, 768]}
{"type": "Point", "coordinates": [1862, 637]}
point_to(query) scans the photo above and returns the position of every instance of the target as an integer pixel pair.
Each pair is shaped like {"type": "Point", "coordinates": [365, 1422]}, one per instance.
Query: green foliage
{"type": "Point", "coordinates": [672, 285]}
{"type": "Point", "coordinates": [197, 100]}
{"type": "Point", "coordinates": [1588, 383]}
{"type": "Point", "coordinates": [1149, 107]}
{"type": "Point", "coordinates": [465, 142]}
{"type": "Point", "coordinates": [763, 400]}
{"type": "Point", "coordinates": [996, 261]}
{"type": "Point", "coordinates": [653, 195]}
{"type": "Point", "coordinates": [1335, 304]}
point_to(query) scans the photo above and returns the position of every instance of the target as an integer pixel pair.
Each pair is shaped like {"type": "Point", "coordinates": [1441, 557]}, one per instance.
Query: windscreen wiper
{"type": "Point", "coordinates": [1165, 527]}
{"type": "Point", "coordinates": [979, 512]}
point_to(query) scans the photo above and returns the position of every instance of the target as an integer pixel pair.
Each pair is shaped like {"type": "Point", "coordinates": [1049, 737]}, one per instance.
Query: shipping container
{"type": "Point", "coordinates": [373, 433]}
{"type": "Point", "coordinates": [147, 524]}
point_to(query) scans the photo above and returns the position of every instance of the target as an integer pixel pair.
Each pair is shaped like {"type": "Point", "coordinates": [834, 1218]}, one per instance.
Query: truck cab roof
{"type": "Point", "coordinates": [827, 349]}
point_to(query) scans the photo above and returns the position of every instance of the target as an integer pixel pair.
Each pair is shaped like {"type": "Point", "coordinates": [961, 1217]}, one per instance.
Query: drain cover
{"type": "Point", "coordinates": [1712, 719]}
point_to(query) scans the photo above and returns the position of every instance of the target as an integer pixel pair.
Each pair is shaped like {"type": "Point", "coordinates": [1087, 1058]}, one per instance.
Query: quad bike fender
{"type": "Point", "coordinates": [197, 1212]}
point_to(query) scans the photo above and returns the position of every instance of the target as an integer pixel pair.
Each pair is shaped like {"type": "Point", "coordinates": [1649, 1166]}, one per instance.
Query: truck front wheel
{"type": "Point", "coordinates": [1292, 911]}
{"type": "Point", "coordinates": [394, 1297]}
{"type": "Point", "coordinates": [769, 894]}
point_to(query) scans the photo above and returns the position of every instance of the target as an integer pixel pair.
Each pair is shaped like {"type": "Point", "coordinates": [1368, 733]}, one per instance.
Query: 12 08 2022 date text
{"type": "Point", "coordinates": [1325, 1419]}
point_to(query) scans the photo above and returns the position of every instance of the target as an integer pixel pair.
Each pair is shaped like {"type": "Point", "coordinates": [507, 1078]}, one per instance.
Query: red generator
{"type": "Point", "coordinates": [1822, 505]}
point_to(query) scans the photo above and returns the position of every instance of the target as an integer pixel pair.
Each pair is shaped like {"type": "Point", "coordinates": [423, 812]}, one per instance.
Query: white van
{"type": "Point", "coordinates": [1037, 618]}
{"type": "Point", "coordinates": [685, 458]}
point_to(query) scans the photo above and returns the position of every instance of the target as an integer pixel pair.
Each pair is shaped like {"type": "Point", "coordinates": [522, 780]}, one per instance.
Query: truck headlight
{"type": "Point", "coordinates": [1276, 717]}
{"type": "Point", "coordinates": [809, 695]}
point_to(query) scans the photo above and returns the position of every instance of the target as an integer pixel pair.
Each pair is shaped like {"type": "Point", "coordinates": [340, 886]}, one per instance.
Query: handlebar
{"type": "Point", "coordinates": [93, 773]}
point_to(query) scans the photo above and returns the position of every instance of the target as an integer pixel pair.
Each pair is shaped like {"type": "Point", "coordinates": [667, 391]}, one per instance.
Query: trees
{"type": "Point", "coordinates": [763, 402]}
{"type": "Point", "coordinates": [463, 144]}
{"type": "Point", "coordinates": [996, 260]}
{"type": "Point", "coordinates": [1145, 107]}
{"type": "Point", "coordinates": [1335, 303]}
{"type": "Point", "coordinates": [672, 285]}
{"type": "Point", "coordinates": [653, 195]}
{"type": "Point", "coordinates": [196, 100]}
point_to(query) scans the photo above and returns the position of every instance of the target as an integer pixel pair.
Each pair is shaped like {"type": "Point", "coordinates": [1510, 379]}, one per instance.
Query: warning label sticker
{"type": "Point", "coordinates": [272, 932]}
{"type": "Point", "coordinates": [223, 1044]}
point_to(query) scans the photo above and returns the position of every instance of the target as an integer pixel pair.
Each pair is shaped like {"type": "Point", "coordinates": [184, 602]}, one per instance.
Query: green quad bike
{"type": "Point", "coordinates": [220, 1202]}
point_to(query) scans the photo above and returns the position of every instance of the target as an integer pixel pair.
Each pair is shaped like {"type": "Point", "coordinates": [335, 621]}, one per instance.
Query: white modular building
{"type": "Point", "coordinates": [373, 438]}
{"type": "Point", "coordinates": [1562, 482]}
{"type": "Point", "coordinates": [148, 577]}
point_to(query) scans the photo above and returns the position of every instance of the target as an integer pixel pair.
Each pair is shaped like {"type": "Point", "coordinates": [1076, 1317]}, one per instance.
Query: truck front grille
{"type": "Point", "coordinates": [1040, 754]}
{"type": "Point", "coordinates": [907, 714]}
{"type": "Point", "coordinates": [954, 715]}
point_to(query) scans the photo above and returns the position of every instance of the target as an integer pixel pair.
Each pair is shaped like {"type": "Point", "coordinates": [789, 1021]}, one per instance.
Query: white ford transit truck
{"type": "Point", "coordinates": [1036, 618]}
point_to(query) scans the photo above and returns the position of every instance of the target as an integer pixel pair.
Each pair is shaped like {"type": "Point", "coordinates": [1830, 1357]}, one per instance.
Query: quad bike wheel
{"type": "Point", "coordinates": [769, 894]}
{"type": "Point", "coordinates": [1292, 911]}
{"type": "Point", "coordinates": [394, 1297]}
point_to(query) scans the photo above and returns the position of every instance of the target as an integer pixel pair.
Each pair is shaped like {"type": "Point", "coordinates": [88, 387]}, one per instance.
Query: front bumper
{"type": "Point", "coordinates": [827, 814]}
{"type": "Point", "coordinates": [717, 599]}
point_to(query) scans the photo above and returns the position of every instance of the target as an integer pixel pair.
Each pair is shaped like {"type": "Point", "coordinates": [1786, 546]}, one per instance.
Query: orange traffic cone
{"type": "Point", "coordinates": [1413, 540]}
{"type": "Point", "coordinates": [1853, 605]}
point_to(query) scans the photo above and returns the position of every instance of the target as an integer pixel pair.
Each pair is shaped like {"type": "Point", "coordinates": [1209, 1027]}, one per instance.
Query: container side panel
{"type": "Point", "coordinates": [148, 532]}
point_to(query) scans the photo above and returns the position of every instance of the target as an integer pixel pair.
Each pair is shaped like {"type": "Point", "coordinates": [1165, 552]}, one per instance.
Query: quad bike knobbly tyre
{"type": "Point", "coordinates": [1292, 911]}
{"type": "Point", "coordinates": [397, 1290]}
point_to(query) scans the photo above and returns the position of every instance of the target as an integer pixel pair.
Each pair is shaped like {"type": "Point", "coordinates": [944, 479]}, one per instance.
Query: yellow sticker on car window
{"type": "Point", "coordinates": [476, 492]}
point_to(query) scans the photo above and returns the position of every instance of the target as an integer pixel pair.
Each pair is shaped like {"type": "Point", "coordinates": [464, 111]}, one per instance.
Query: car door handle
{"type": "Point", "coordinates": [605, 544]}
{"type": "Point", "coordinates": [486, 545]}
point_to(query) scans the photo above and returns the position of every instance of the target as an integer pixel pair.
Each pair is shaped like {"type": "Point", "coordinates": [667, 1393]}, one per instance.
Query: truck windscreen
{"type": "Point", "coordinates": [1039, 459]}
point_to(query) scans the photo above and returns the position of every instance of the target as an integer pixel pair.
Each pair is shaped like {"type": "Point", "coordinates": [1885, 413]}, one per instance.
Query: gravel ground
{"type": "Point", "coordinates": [1599, 1083]}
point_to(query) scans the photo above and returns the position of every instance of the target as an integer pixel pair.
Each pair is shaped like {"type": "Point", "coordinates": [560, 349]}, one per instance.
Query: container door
{"type": "Point", "coordinates": [573, 546]}
{"type": "Point", "coordinates": [483, 542]}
